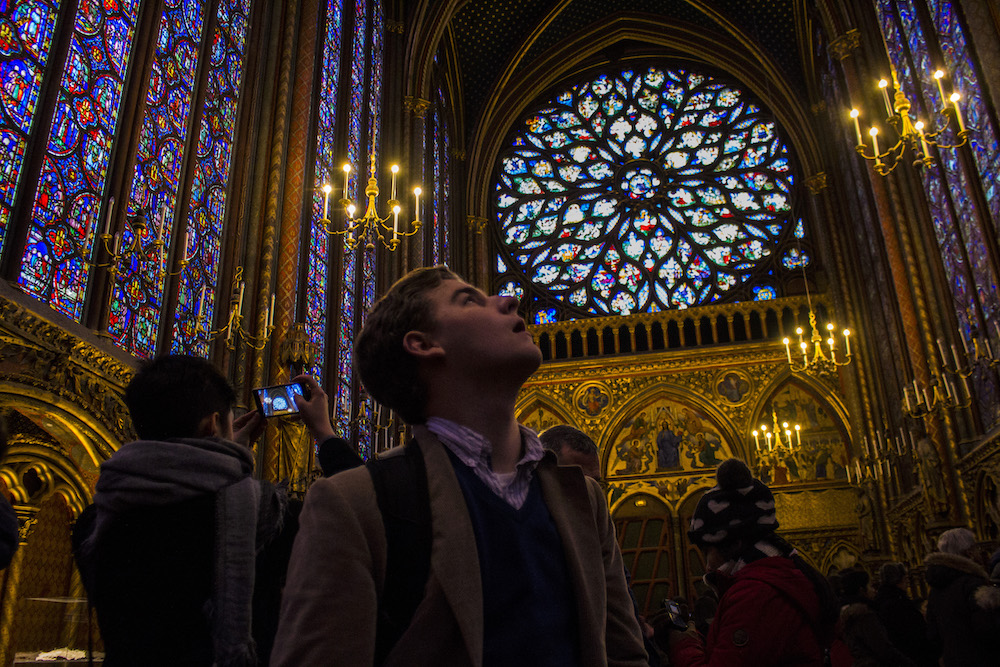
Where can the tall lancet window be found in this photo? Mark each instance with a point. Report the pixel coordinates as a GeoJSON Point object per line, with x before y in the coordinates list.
{"type": "Point", "coordinates": [187, 125]}
{"type": "Point", "coordinates": [208, 193]}
{"type": "Point", "coordinates": [963, 201]}
{"type": "Point", "coordinates": [646, 189]}
{"type": "Point", "coordinates": [440, 169]}
{"type": "Point", "coordinates": [318, 255]}
{"type": "Point", "coordinates": [362, 45]}
{"type": "Point", "coordinates": [26, 30]}
{"type": "Point", "coordinates": [79, 139]}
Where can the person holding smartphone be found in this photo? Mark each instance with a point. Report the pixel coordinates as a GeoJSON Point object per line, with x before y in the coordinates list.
{"type": "Point", "coordinates": [774, 609]}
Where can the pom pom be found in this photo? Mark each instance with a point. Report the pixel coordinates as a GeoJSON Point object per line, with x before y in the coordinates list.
{"type": "Point", "coordinates": [733, 474]}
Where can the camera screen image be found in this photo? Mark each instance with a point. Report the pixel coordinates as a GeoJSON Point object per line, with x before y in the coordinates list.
{"type": "Point", "coordinates": [276, 401]}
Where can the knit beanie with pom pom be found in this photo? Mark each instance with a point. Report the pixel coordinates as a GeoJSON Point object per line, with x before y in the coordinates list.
{"type": "Point", "coordinates": [738, 507]}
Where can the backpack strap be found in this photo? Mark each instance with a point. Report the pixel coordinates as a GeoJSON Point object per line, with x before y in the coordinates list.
{"type": "Point", "coordinates": [400, 484]}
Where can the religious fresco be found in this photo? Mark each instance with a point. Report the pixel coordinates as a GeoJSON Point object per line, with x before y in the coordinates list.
{"type": "Point", "coordinates": [666, 436]}
{"type": "Point", "coordinates": [539, 416]}
{"type": "Point", "coordinates": [815, 451]}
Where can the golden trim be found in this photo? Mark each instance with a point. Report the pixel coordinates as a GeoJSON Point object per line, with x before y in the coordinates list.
{"type": "Point", "coordinates": [843, 46]}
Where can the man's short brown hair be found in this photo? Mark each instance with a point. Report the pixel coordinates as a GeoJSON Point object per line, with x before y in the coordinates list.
{"type": "Point", "coordinates": [387, 370]}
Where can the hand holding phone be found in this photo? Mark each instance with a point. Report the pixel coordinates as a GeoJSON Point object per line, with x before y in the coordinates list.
{"type": "Point", "coordinates": [278, 400]}
{"type": "Point", "coordinates": [678, 619]}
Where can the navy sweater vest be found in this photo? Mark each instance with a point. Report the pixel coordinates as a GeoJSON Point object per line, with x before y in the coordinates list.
{"type": "Point", "coordinates": [529, 612]}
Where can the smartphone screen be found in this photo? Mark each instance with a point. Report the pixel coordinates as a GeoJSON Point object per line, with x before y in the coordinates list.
{"type": "Point", "coordinates": [277, 400]}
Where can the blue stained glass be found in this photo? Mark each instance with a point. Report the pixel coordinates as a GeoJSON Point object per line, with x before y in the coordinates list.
{"type": "Point", "coordinates": [682, 165]}
{"type": "Point", "coordinates": [764, 293]}
{"type": "Point", "coordinates": [436, 192]}
{"type": "Point", "coordinates": [511, 288]}
{"type": "Point", "coordinates": [318, 254]}
{"type": "Point", "coordinates": [137, 295]}
{"type": "Point", "coordinates": [26, 30]}
{"type": "Point", "coordinates": [545, 316]}
{"type": "Point", "coordinates": [196, 300]}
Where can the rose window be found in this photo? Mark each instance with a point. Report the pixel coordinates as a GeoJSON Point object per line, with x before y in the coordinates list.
{"type": "Point", "coordinates": [644, 191]}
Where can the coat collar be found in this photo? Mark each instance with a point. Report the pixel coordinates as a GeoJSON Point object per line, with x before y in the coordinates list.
{"type": "Point", "coordinates": [956, 562]}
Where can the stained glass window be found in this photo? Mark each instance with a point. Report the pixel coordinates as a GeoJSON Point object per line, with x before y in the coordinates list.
{"type": "Point", "coordinates": [953, 210]}
{"type": "Point", "coordinates": [137, 296]}
{"type": "Point", "coordinates": [67, 203]}
{"type": "Point", "coordinates": [196, 300]}
{"type": "Point", "coordinates": [26, 29]}
{"type": "Point", "coordinates": [318, 277]}
{"type": "Point", "coordinates": [645, 189]}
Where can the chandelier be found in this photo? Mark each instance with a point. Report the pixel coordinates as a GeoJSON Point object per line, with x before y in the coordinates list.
{"type": "Point", "coordinates": [913, 134]}
{"type": "Point", "coordinates": [814, 359]}
{"type": "Point", "coordinates": [371, 226]}
{"type": "Point", "coordinates": [778, 437]}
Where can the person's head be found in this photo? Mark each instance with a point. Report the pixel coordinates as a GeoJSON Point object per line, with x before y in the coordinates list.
{"type": "Point", "coordinates": [573, 447]}
{"type": "Point", "coordinates": [892, 574]}
{"type": "Point", "coordinates": [958, 541]}
{"type": "Point", "coordinates": [432, 329]}
{"type": "Point", "coordinates": [178, 396]}
{"type": "Point", "coordinates": [855, 583]}
{"type": "Point", "coordinates": [736, 512]}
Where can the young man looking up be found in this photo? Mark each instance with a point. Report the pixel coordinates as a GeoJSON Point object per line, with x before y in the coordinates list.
{"type": "Point", "coordinates": [523, 564]}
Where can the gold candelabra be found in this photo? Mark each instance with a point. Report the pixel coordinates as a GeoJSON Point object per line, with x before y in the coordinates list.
{"type": "Point", "coordinates": [773, 436]}
{"type": "Point", "coordinates": [954, 371]}
{"type": "Point", "coordinates": [912, 133]}
{"type": "Point", "coordinates": [818, 361]}
{"type": "Point", "coordinates": [233, 329]}
{"type": "Point", "coordinates": [113, 245]}
{"type": "Point", "coordinates": [371, 225]}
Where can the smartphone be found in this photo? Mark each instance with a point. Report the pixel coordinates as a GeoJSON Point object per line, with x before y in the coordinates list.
{"type": "Point", "coordinates": [278, 400]}
{"type": "Point", "coordinates": [677, 617]}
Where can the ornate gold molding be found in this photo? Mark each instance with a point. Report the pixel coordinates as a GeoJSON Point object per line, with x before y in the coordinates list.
{"type": "Point", "coordinates": [477, 223]}
{"type": "Point", "coordinates": [458, 154]}
{"type": "Point", "coordinates": [394, 26]}
{"type": "Point", "coordinates": [816, 183]}
{"type": "Point", "coordinates": [416, 106]}
{"type": "Point", "coordinates": [37, 353]}
{"type": "Point", "coordinates": [843, 46]}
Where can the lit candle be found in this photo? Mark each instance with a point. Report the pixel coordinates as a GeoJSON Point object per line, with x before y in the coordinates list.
{"type": "Point", "coordinates": [805, 354]}
{"type": "Point", "coordinates": [955, 97]}
{"type": "Point", "coordinates": [201, 303]}
{"type": "Point", "coordinates": [788, 437]}
{"type": "Point", "coordinates": [326, 200]}
{"type": "Point", "coordinates": [107, 220]}
{"type": "Point", "coordinates": [767, 437]}
{"type": "Point", "coordinates": [798, 435]}
{"type": "Point", "coordinates": [270, 322]}
{"type": "Point", "coordinates": [944, 358]}
{"type": "Point", "coordinates": [392, 190]}
{"type": "Point", "coordinates": [788, 349]}
{"type": "Point", "coordinates": [347, 179]}
{"type": "Point", "coordinates": [416, 208]}
{"type": "Point", "coordinates": [857, 125]}
{"type": "Point", "coordinates": [884, 87]}
{"type": "Point", "coordinates": [919, 126]}
{"type": "Point", "coordinates": [756, 440]}
{"type": "Point", "coordinates": [938, 75]}
{"type": "Point", "coordinates": [395, 221]}
{"type": "Point", "coordinates": [847, 341]}
{"type": "Point", "coordinates": [873, 133]}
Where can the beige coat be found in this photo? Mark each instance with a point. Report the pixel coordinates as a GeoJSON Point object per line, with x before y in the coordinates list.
{"type": "Point", "coordinates": [329, 608]}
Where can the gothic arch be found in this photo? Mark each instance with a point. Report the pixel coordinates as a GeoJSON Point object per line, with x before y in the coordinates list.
{"type": "Point", "coordinates": [539, 411]}
{"type": "Point", "coordinates": [733, 53]}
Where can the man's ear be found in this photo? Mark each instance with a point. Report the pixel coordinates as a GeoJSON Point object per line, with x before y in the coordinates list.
{"type": "Point", "coordinates": [209, 425]}
{"type": "Point", "coordinates": [422, 345]}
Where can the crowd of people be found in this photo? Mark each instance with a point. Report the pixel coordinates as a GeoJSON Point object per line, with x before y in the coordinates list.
{"type": "Point", "coordinates": [476, 543]}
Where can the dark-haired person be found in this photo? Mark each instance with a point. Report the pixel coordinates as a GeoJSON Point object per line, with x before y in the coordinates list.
{"type": "Point", "coordinates": [173, 549]}
{"type": "Point", "coordinates": [963, 607]}
{"type": "Point", "coordinates": [522, 563]}
{"type": "Point", "coordinates": [904, 624]}
{"type": "Point", "coordinates": [774, 609]}
{"type": "Point", "coordinates": [861, 627]}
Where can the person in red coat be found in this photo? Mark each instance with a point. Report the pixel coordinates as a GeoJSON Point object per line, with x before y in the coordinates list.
{"type": "Point", "coordinates": [774, 609]}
